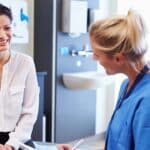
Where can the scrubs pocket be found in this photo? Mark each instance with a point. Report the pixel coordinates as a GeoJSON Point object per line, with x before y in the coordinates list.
{"type": "Point", "coordinates": [125, 138]}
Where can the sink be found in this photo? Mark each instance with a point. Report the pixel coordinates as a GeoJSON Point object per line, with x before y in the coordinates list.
{"type": "Point", "coordinates": [86, 80]}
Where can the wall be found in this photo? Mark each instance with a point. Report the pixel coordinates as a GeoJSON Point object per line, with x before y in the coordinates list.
{"type": "Point", "coordinates": [75, 109]}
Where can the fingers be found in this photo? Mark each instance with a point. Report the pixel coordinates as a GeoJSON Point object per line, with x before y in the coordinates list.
{"type": "Point", "coordinates": [1, 147]}
{"type": "Point", "coordinates": [8, 147]}
{"type": "Point", "coordinates": [63, 147]}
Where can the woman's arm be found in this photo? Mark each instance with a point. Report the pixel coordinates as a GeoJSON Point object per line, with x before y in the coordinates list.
{"type": "Point", "coordinates": [29, 112]}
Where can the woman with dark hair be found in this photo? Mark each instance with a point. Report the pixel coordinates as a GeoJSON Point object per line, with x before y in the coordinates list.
{"type": "Point", "coordinates": [119, 45]}
{"type": "Point", "coordinates": [19, 92]}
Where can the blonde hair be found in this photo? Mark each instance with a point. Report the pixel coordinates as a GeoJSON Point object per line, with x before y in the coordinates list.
{"type": "Point", "coordinates": [125, 34]}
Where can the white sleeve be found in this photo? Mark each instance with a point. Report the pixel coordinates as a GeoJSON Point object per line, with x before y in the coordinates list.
{"type": "Point", "coordinates": [30, 105]}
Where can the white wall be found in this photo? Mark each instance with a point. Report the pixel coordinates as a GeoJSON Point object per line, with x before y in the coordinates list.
{"type": "Point", "coordinates": [104, 106]}
{"type": "Point", "coordinates": [142, 7]}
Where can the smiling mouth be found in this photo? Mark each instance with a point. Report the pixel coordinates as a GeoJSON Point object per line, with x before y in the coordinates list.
{"type": "Point", "coordinates": [3, 43]}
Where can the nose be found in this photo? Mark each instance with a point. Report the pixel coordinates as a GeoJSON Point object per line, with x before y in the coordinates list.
{"type": "Point", "coordinates": [2, 33]}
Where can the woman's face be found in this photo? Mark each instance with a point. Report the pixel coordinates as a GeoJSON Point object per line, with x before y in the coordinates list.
{"type": "Point", "coordinates": [5, 33]}
{"type": "Point", "coordinates": [108, 62]}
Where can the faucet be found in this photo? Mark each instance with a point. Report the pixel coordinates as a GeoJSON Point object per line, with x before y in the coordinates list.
{"type": "Point", "coordinates": [84, 52]}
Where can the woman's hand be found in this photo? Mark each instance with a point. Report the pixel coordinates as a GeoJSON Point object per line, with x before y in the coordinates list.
{"type": "Point", "coordinates": [1, 147]}
{"type": "Point", "coordinates": [8, 147]}
{"type": "Point", "coordinates": [63, 147]}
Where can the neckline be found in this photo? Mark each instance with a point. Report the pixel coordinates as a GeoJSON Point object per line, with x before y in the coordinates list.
{"type": "Point", "coordinates": [137, 80]}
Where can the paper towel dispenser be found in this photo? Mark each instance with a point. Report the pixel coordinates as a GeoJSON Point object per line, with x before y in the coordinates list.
{"type": "Point", "coordinates": [74, 16]}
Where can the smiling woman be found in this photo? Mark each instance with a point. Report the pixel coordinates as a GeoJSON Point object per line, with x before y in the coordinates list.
{"type": "Point", "coordinates": [119, 44]}
{"type": "Point", "coordinates": [19, 93]}
{"type": "Point", "coordinates": [5, 32]}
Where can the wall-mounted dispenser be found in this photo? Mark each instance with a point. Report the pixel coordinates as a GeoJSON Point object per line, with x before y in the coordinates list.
{"type": "Point", "coordinates": [74, 16]}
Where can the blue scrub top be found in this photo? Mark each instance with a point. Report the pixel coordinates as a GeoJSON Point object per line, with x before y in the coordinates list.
{"type": "Point", "coordinates": [129, 128]}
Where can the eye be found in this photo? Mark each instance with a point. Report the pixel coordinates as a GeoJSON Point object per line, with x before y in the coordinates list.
{"type": "Point", "coordinates": [7, 28]}
{"type": "Point", "coordinates": [95, 56]}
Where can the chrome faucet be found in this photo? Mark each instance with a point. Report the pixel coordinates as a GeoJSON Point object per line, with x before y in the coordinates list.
{"type": "Point", "coordinates": [84, 52]}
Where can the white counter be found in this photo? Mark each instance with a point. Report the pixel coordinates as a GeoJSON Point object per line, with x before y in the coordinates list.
{"type": "Point", "coordinates": [90, 143]}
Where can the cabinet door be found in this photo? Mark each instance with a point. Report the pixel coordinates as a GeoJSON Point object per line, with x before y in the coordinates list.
{"type": "Point", "coordinates": [38, 130]}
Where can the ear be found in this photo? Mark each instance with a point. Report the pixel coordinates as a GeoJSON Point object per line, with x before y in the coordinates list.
{"type": "Point", "coordinates": [119, 58]}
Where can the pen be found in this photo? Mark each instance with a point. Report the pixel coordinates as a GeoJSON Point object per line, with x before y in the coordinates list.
{"type": "Point", "coordinates": [77, 144]}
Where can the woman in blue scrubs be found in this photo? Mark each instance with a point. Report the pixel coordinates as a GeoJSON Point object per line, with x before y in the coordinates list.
{"type": "Point", "coordinates": [119, 45]}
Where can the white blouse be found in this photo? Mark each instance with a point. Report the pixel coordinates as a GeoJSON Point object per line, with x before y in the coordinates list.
{"type": "Point", "coordinates": [19, 98]}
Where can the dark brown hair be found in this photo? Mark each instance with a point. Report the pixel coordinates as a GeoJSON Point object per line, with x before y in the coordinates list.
{"type": "Point", "coordinates": [6, 11]}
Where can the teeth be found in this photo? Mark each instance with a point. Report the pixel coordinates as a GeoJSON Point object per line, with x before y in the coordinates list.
{"type": "Point", "coordinates": [3, 43]}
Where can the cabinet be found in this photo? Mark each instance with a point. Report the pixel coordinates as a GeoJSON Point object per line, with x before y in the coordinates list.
{"type": "Point", "coordinates": [38, 133]}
